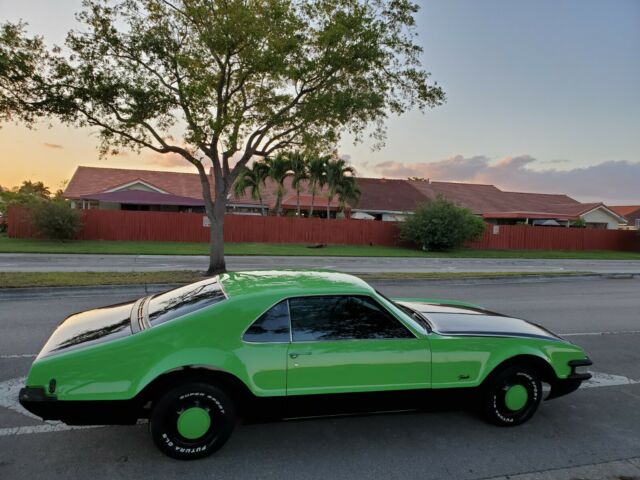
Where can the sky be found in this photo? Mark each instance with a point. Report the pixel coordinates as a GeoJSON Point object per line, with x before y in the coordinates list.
{"type": "Point", "coordinates": [541, 96]}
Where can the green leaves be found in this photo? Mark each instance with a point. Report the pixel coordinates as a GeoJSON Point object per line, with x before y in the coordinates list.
{"type": "Point", "coordinates": [222, 77]}
{"type": "Point", "coordinates": [441, 225]}
{"type": "Point", "coordinates": [56, 220]}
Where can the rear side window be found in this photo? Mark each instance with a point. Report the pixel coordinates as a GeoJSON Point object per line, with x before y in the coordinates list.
{"type": "Point", "coordinates": [342, 318]}
{"type": "Point", "coordinates": [271, 327]}
{"type": "Point", "coordinates": [181, 301]}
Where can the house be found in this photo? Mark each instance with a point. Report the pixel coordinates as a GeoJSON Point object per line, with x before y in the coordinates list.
{"type": "Point", "coordinates": [380, 198]}
{"type": "Point", "coordinates": [123, 189]}
{"type": "Point", "coordinates": [631, 213]}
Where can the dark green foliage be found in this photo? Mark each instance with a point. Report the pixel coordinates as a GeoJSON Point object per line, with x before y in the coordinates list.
{"type": "Point", "coordinates": [579, 223]}
{"type": "Point", "coordinates": [441, 225]}
{"type": "Point", "coordinates": [56, 220]}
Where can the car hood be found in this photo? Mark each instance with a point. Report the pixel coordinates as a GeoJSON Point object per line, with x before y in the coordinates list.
{"type": "Point", "coordinates": [90, 328]}
{"type": "Point", "coordinates": [457, 319]}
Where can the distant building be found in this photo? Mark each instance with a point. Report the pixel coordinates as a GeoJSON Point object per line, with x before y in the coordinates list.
{"type": "Point", "coordinates": [631, 213]}
{"type": "Point", "coordinates": [380, 199]}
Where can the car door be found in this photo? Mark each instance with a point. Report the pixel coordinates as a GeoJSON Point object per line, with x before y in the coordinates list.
{"type": "Point", "coordinates": [351, 343]}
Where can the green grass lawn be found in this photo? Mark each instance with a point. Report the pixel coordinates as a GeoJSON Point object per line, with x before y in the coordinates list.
{"type": "Point", "coordinates": [12, 245]}
{"type": "Point", "coordinates": [76, 279]}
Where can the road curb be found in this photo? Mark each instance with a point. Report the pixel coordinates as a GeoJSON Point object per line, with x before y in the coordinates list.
{"type": "Point", "coordinates": [138, 290]}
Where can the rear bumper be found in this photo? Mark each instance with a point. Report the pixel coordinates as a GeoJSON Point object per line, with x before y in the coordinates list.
{"type": "Point", "coordinates": [111, 412]}
{"type": "Point", "coordinates": [570, 384]}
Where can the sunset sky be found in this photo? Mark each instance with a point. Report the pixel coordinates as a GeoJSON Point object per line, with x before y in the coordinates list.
{"type": "Point", "coordinates": [541, 96]}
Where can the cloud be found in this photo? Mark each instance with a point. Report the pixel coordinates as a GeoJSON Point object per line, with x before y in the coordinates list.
{"type": "Point", "coordinates": [166, 160]}
{"type": "Point", "coordinates": [612, 182]}
{"type": "Point", "coordinates": [53, 145]}
{"type": "Point", "coordinates": [451, 168]}
{"type": "Point", "coordinates": [175, 160]}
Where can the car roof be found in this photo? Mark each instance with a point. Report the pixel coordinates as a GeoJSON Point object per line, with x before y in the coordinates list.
{"type": "Point", "coordinates": [291, 282]}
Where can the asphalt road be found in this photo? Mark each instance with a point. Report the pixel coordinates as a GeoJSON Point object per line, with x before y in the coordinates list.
{"type": "Point", "coordinates": [25, 262]}
{"type": "Point", "coordinates": [594, 425]}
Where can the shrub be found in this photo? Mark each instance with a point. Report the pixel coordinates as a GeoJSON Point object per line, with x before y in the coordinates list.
{"type": "Point", "coordinates": [579, 223]}
{"type": "Point", "coordinates": [441, 225]}
{"type": "Point", "coordinates": [56, 220]}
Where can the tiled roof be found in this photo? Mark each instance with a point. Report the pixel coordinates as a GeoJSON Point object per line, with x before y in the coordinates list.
{"type": "Point", "coordinates": [89, 180]}
{"type": "Point", "coordinates": [477, 197]}
{"type": "Point", "coordinates": [625, 210]}
{"type": "Point", "coordinates": [377, 194]}
{"type": "Point", "coordinates": [380, 194]}
{"type": "Point", "coordinates": [319, 202]}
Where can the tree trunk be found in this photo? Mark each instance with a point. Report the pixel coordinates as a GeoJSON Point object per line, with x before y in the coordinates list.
{"type": "Point", "coordinates": [328, 203]}
{"type": "Point", "coordinates": [216, 243]}
{"type": "Point", "coordinates": [278, 204]}
{"type": "Point", "coordinates": [313, 199]}
{"type": "Point", "coordinates": [261, 205]}
{"type": "Point", "coordinates": [216, 247]}
{"type": "Point", "coordinates": [298, 203]}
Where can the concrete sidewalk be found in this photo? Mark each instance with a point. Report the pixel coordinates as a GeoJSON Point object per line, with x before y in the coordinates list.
{"type": "Point", "coordinates": [27, 262]}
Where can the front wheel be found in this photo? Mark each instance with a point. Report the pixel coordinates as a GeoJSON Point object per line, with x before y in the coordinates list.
{"type": "Point", "coordinates": [192, 421]}
{"type": "Point", "coordinates": [512, 396]}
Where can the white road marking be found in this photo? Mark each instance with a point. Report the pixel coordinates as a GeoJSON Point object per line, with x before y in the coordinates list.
{"type": "Point", "coordinates": [9, 390]}
{"type": "Point", "coordinates": [19, 355]}
{"type": "Point", "coordinates": [45, 428]}
{"type": "Point", "coordinates": [9, 399]}
{"type": "Point", "coordinates": [600, 379]}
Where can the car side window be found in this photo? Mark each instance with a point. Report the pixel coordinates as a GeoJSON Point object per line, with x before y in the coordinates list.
{"type": "Point", "coordinates": [342, 318]}
{"type": "Point", "coordinates": [270, 327]}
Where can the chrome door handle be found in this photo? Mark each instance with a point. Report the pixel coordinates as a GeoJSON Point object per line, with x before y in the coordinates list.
{"type": "Point", "coordinates": [297, 354]}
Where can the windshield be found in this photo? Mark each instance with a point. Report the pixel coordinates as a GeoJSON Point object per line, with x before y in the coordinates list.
{"type": "Point", "coordinates": [183, 300]}
{"type": "Point", "coordinates": [412, 314]}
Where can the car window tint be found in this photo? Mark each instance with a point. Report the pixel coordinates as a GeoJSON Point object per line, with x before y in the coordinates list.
{"type": "Point", "coordinates": [271, 326]}
{"type": "Point", "coordinates": [342, 318]}
{"type": "Point", "coordinates": [180, 301]}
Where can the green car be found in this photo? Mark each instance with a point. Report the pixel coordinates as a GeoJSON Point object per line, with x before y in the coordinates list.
{"type": "Point", "coordinates": [286, 344]}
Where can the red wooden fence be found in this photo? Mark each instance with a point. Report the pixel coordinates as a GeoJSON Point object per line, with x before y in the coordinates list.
{"type": "Point", "coordinates": [189, 227]}
{"type": "Point", "coordinates": [526, 237]}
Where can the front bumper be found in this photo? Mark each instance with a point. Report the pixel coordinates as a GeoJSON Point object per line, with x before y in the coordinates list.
{"type": "Point", "coordinates": [75, 412]}
{"type": "Point", "coordinates": [570, 384]}
{"type": "Point", "coordinates": [37, 402]}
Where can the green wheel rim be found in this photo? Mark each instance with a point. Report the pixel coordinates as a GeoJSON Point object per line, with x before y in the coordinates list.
{"type": "Point", "coordinates": [516, 397]}
{"type": "Point", "coordinates": [193, 423]}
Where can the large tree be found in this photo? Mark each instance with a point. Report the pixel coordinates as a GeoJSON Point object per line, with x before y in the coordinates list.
{"type": "Point", "coordinates": [220, 81]}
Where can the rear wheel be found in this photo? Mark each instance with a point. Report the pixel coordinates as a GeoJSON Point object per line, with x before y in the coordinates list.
{"type": "Point", "coordinates": [512, 396]}
{"type": "Point", "coordinates": [192, 421]}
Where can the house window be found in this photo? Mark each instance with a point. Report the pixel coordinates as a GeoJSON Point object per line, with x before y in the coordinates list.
{"type": "Point", "coordinates": [638, 223]}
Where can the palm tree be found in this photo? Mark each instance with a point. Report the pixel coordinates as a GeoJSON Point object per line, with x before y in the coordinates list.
{"type": "Point", "coordinates": [317, 177]}
{"type": "Point", "coordinates": [347, 191]}
{"type": "Point", "coordinates": [252, 178]}
{"type": "Point", "coordinates": [337, 171]}
{"type": "Point", "coordinates": [278, 168]}
{"type": "Point", "coordinates": [299, 173]}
